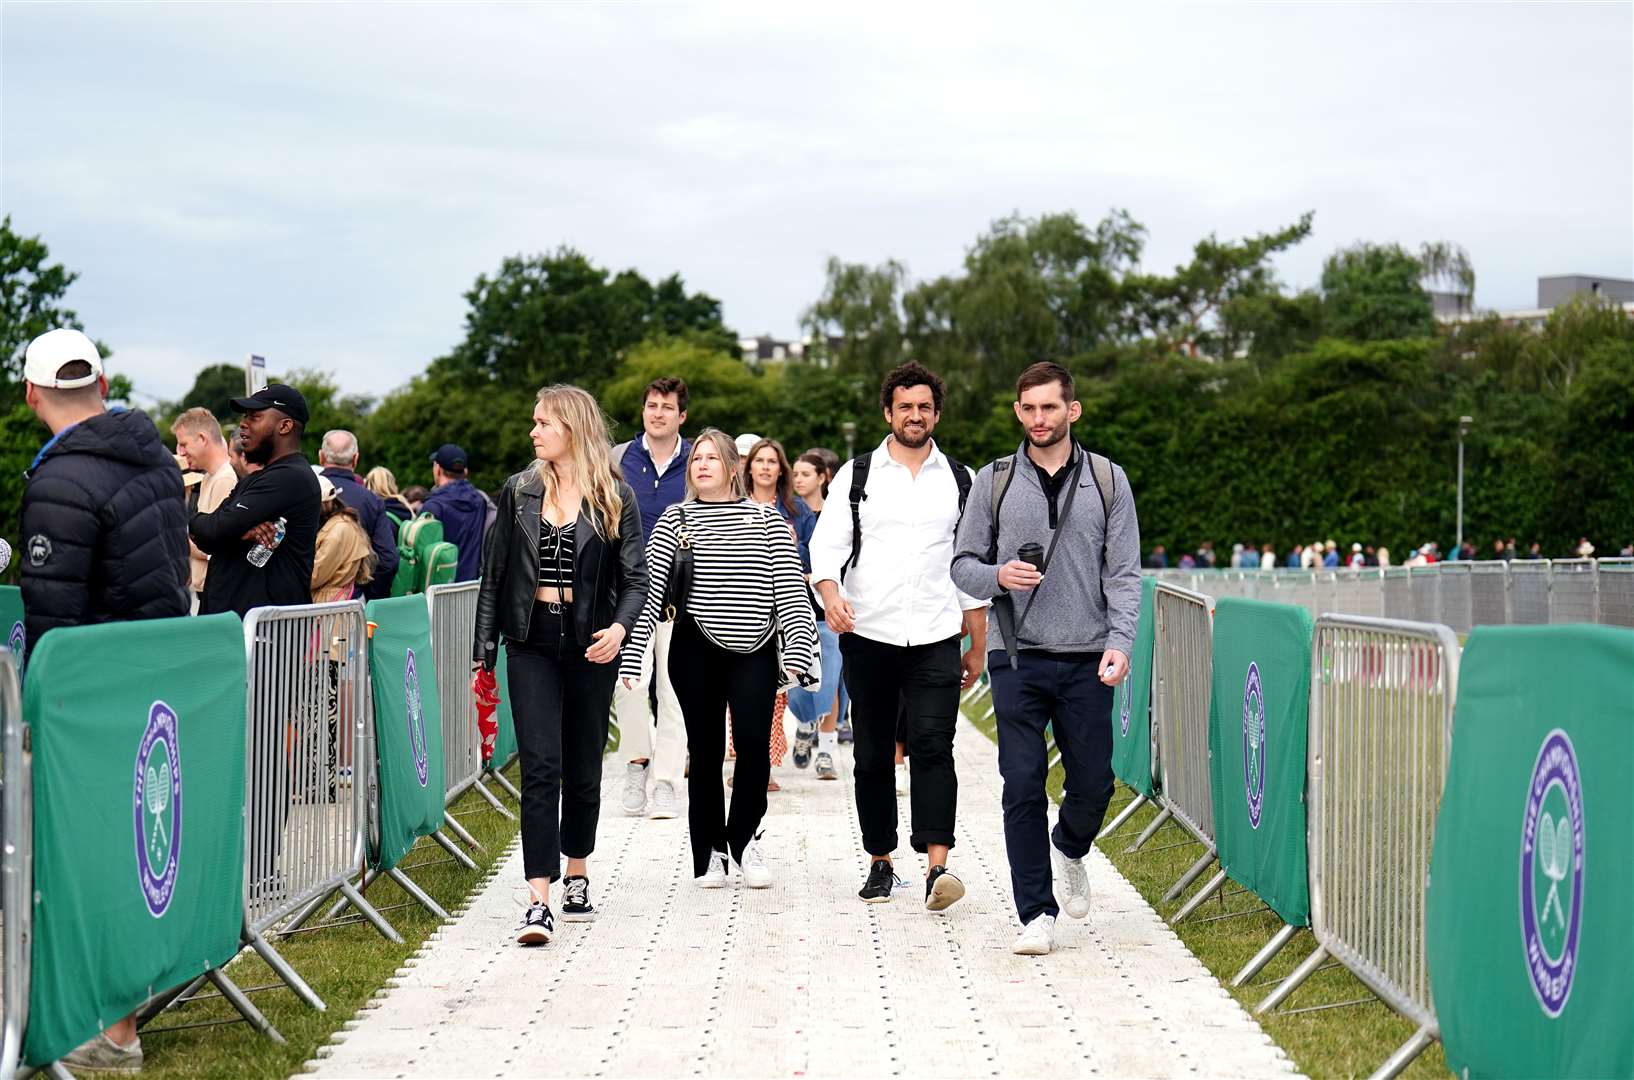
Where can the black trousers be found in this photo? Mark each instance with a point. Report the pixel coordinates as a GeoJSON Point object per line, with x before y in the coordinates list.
{"type": "Point", "coordinates": [1069, 696]}
{"type": "Point", "coordinates": [922, 680]}
{"type": "Point", "coordinates": [560, 702]}
{"type": "Point", "coordinates": [708, 679]}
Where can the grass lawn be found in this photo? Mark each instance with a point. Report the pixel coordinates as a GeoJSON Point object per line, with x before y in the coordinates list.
{"type": "Point", "coordinates": [345, 964]}
{"type": "Point", "coordinates": [1349, 1041]}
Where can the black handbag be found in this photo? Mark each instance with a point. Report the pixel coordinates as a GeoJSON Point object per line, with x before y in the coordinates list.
{"type": "Point", "coordinates": [678, 586]}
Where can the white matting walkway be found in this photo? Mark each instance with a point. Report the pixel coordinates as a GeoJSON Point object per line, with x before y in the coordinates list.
{"type": "Point", "coordinates": [803, 979]}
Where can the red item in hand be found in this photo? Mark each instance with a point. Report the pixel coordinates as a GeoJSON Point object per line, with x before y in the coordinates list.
{"type": "Point", "coordinates": [485, 689]}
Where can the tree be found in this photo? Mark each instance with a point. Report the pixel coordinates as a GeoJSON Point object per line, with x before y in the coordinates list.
{"type": "Point", "coordinates": [560, 318]}
{"type": "Point", "coordinates": [214, 388]}
{"type": "Point", "coordinates": [31, 295]}
{"type": "Point", "coordinates": [1372, 292]}
{"type": "Point", "coordinates": [862, 306]}
{"type": "Point", "coordinates": [722, 392]}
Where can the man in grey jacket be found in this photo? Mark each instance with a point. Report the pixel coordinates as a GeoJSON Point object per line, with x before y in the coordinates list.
{"type": "Point", "coordinates": [1066, 634]}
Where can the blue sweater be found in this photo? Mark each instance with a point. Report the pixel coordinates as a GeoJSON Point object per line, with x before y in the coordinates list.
{"type": "Point", "coordinates": [654, 493]}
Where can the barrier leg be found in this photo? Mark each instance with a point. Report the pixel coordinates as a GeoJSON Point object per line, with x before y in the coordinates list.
{"type": "Point", "coordinates": [340, 904]}
{"type": "Point", "coordinates": [509, 788]}
{"type": "Point", "coordinates": [1293, 982]}
{"type": "Point", "coordinates": [1203, 894]}
{"type": "Point", "coordinates": [448, 845]}
{"type": "Point", "coordinates": [56, 1071]}
{"type": "Point", "coordinates": [301, 917]}
{"type": "Point", "coordinates": [366, 909]}
{"type": "Point", "coordinates": [1125, 814]}
{"type": "Point", "coordinates": [1157, 823]}
{"type": "Point", "coordinates": [280, 967]}
{"type": "Point", "coordinates": [1266, 955]}
{"type": "Point", "coordinates": [160, 1002]}
{"type": "Point", "coordinates": [1192, 873]}
{"type": "Point", "coordinates": [493, 801]}
{"type": "Point", "coordinates": [1403, 1057]}
{"type": "Point", "coordinates": [246, 1008]}
{"type": "Point", "coordinates": [459, 831]}
{"type": "Point", "coordinates": [419, 894]}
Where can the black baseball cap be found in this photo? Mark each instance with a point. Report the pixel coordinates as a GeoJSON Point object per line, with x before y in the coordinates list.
{"type": "Point", "coordinates": [449, 456]}
{"type": "Point", "coordinates": [286, 399]}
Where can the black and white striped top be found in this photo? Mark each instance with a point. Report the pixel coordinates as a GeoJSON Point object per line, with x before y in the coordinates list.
{"type": "Point", "coordinates": [746, 582]}
{"type": "Point", "coordinates": [555, 555]}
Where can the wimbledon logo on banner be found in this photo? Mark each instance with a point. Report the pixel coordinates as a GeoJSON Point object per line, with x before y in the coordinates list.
{"type": "Point", "coordinates": [416, 718]}
{"type": "Point", "coordinates": [19, 644]}
{"type": "Point", "coordinates": [158, 808]}
{"type": "Point", "coordinates": [1128, 688]}
{"type": "Point", "coordinates": [1551, 872]}
{"type": "Point", "coordinates": [1254, 744]}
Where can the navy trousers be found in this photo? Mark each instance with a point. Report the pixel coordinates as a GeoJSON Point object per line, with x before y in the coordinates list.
{"type": "Point", "coordinates": [1067, 695]}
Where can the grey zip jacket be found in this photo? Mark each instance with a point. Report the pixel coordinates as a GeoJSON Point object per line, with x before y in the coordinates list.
{"type": "Point", "coordinates": [1069, 614]}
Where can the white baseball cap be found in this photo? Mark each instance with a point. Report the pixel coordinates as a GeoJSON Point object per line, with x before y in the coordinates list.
{"type": "Point", "coordinates": [744, 442]}
{"type": "Point", "coordinates": [51, 350]}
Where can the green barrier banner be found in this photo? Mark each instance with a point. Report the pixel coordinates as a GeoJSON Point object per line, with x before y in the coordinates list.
{"type": "Point", "coordinates": [1131, 705]}
{"type": "Point", "coordinates": [505, 740]}
{"type": "Point", "coordinates": [1530, 916]}
{"type": "Point", "coordinates": [138, 737]}
{"type": "Point", "coordinates": [1257, 732]}
{"type": "Point", "coordinates": [11, 622]}
{"type": "Point", "coordinates": [408, 725]}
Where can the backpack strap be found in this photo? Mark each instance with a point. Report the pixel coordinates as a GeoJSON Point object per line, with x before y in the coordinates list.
{"type": "Point", "coordinates": [1002, 475]}
{"type": "Point", "coordinates": [1106, 486]}
{"type": "Point", "coordinates": [859, 491]}
{"type": "Point", "coordinates": [962, 480]}
{"type": "Point", "coordinates": [618, 457]}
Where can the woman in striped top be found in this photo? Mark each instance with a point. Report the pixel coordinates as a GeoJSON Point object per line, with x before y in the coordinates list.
{"type": "Point", "coordinates": [725, 649]}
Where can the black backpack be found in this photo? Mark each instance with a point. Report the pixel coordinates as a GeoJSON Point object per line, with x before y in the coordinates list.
{"type": "Point", "coordinates": [859, 491]}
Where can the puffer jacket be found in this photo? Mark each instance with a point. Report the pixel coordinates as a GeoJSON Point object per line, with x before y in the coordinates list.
{"type": "Point", "coordinates": [104, 527]}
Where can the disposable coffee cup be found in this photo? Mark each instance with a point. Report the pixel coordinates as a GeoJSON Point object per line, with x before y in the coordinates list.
{"type": "Point", "coordinates": [1032, 553]}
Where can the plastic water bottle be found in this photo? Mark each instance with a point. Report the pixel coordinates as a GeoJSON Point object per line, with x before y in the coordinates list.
{"type": "Point", "coordinates": [260, 553]}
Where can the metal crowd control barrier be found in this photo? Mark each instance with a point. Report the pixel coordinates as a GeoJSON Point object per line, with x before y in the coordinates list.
{"type": "Point", "coordinates": [1617, 592]}
{"type": "Point", "coordinates": [1398, 595]}
{"type": "Point", "coordinates": [1182, 673]}
{"type": "Point", "coordinates": [1456, 608]}
{"type": "Point", "coordinates": [453, 610]}
{"type": "Point", "coordinates": [17, 873]}
{"type": "Point", "coordinates": [1382, 695]}
{"type": "Point", "coordinates": [1574, 592]}
{"type": "Point", "coordinates": [309, 774]}
{"type": "Point", "coordinates": [1489, 593]}
{"type": "Point", "coordinates": [1529, 592]}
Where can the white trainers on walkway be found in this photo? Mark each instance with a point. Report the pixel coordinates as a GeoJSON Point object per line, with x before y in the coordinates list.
{"type": "Point", "coordinates": [635, 789]}
{"type": "Point", "coordinates": [756, 874]}
{"type": "Point", "coordinates": [1037, 937]}
{"type": "Point", "coordinates": [903, 784]}
{"type": "Point", "coordinates": [715, 876]}
{"type": "Point", "coordinates": [664, 805]}
{"type": "Point", "coordinates": [1071, 883]}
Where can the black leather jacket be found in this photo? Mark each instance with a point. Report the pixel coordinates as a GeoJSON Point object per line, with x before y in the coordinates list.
{"type": "Point", "coordinates": [609, 581]}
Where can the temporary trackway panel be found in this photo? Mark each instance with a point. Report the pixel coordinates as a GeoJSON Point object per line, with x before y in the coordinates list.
{"type": "Point", "coordinates": [803, 979]}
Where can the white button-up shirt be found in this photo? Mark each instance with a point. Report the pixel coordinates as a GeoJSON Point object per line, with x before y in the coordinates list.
{"type": "Point", "coordinates": [900, 590]}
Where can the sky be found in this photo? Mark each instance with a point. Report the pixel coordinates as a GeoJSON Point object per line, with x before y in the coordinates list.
{"type": "Point", "coordinates": [322, 183]}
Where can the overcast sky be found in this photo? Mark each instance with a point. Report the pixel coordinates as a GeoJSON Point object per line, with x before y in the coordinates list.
{"type": "Point", "coordinates": [322, 183]}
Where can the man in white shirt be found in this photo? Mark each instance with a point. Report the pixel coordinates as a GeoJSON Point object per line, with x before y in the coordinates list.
{"type": "Point", "coordinates": [881, 566]}
{"type": "Point", "coordinates": [654, 740]}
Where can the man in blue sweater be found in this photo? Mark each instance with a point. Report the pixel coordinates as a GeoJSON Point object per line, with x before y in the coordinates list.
{"type": "Point", "coordinates": [460, 507]}
{"type": "Point", "coordinates": [654, 741]}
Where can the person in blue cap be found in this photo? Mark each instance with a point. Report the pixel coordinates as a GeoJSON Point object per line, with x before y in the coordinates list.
{"type": "Point", "coordinates": [461, 508]}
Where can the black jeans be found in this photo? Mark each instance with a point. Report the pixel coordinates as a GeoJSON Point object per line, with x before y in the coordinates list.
{"type": "Point", "coordinates": [923, 679]}
{"type": "Point", "coordinates": [1070, 697]}
{"type": "Point", "coordinates": [560, 702]}
{"type": "Point", "coordinates": [708, 679]}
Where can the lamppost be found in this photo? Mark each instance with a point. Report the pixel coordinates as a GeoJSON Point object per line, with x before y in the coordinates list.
{"type": "Point", "coordinates": [1463, 429]}
{"type": "Point", "coordinates": [849, 430]}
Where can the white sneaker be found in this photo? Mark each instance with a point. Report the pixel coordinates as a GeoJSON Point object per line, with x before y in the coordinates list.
{"type": "Point", "coordinates": [756, 875]}
{"type": "Point", "coordinates": [635, 789]}
{"type": "Point", "coordinates": [1071, 883]}
{"type": "Point", "coordinates": [902, 783]}
{"type": "Point", "coordinates": [1037, 937]}
{"type": "Point", "coordinates": [663, 801]}
{"type": "Point", "coordinates": [715, 876]}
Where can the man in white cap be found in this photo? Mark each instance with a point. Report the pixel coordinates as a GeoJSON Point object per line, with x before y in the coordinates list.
{"type": "Point", "coordinates": [104, 537]}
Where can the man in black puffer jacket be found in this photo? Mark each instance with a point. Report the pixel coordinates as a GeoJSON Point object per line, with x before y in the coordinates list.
{"type": "Point", "coordinates": [104, 525]}
{"type": "Point", "coordinates": [104, 538]}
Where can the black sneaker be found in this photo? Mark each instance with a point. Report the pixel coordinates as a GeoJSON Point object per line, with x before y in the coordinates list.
{"type": "Point", "coordinates": [576, 905]}
{"type": "Point", "coordinates": [881, 880]}
{"type": "Point", "coordinates": [537, 926]}
{"type": "Point", "coordinates": [942, 889]}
